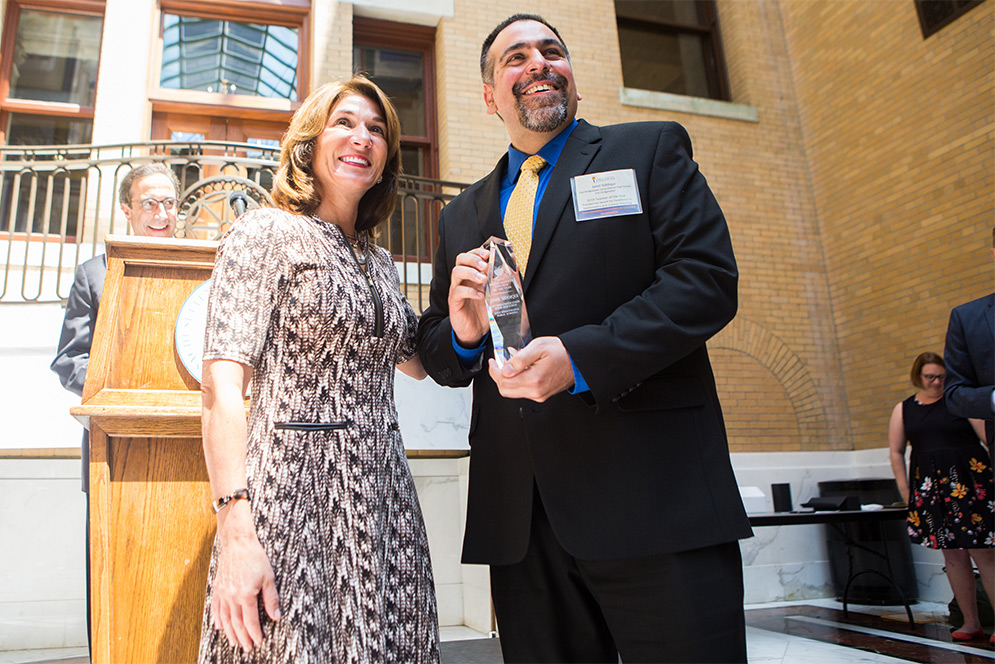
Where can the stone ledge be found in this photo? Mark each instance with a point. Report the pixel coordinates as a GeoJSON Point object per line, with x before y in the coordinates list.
{"type": "Point", "coordinates": [665, 101]}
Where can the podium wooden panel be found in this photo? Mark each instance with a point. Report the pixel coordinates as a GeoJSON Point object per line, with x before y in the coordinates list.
{"type": "Point", "coordinates": [151, 527]}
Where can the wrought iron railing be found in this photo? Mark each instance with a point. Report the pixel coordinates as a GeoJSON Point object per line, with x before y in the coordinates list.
{"type": "Point", "coordinates": [57, 203]}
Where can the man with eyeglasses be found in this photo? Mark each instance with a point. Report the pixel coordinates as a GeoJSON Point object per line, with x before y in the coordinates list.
{"type": "Point", "coordinates": [148, 196]}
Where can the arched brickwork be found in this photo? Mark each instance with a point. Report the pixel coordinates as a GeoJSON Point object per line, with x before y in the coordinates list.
{"type": "Point", "coordinates": [753, 365]}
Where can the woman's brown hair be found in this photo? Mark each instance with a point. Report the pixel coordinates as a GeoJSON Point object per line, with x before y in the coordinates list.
{"type": "Point", "coordinates": [920, 362]}
{"type": "Point", "coordinates": [294, 187]}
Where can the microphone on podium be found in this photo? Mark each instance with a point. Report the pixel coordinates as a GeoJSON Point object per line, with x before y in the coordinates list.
{"type": "Point", "coordinates": [238, 202]}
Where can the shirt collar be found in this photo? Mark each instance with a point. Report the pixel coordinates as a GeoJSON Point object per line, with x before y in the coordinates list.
{"type": "Point", "coordinates": [550, 152]}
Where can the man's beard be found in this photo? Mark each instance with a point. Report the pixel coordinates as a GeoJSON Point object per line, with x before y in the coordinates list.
{"type": "Point", "coordinates": [551, 114]}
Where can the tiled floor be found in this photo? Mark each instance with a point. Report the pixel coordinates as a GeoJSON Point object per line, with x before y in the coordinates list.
{"type": "Point", "coordinates": [806, 632]}
{"type": "Point", "coordinates": [816, 632]}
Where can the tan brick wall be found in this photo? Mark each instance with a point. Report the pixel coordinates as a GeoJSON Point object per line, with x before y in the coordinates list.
{"type": "Point", "coordinates": [899, 140]}
{"type": "Point", "coordinates": [780, 430]}
{"type": "Point", "coordinates": [331, 42]}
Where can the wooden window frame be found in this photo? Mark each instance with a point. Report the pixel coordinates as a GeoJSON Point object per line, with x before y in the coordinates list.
{"type": "Point", "coordinates": [716, 74]}
{"type": "Point", "coordinates": [407, 36]}
{"type": "Point", "coordinates": [9, 36]}
{"type": "Point", "coordinates": [288, 13]}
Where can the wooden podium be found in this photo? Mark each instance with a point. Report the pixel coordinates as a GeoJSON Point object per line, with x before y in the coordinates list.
{"type": "Point", "coordinates": [151, 526]}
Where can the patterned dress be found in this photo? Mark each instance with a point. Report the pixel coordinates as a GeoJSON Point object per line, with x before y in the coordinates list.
{"type": "Point", "coordinates": [950, 480]}
{"type": "Point", "coordinates": [333, 500]}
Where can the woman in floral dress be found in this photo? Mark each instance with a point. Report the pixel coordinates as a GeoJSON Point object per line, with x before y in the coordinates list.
{"type": "Point", "coordinates": [948, 487]}
{"type": "Point", "coordinates": [321, 553]}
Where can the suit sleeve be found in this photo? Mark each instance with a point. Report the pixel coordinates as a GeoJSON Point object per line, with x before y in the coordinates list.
{"type": "Point", "coordinates": [967, 395]}
{"type": "Point", "coordinates": [73, 353]}
{"type": "Point", "coordinates": [435, 333]}
{"type": "Point", "coordinates": [693, 291]}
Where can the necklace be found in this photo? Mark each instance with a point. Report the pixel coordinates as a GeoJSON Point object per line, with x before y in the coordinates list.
{"type": "Point", "coordinates": [359, 251]}
{"type": "Point", "coordinates": [357, 241]}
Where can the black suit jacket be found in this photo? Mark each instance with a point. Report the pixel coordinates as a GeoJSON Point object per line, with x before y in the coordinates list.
{"type": "Point", "coordinates": [970, 359]}
{"type": "Point", "coordinates": [639, 465]}
{"type": "Point", "coordinates": [73, 355]}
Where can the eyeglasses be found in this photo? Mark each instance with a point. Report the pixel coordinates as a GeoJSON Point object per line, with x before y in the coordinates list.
{"type": "Point", "coordinates": [929, 378]}
{"type": "Point", "coordinates": [152, 204]}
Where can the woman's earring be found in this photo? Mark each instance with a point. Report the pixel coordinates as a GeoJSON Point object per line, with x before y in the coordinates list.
{"type": "Point", "coordinates": [379, 179]}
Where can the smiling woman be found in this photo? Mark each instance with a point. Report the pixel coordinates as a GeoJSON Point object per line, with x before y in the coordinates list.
{"type": "Point", "coordinates": [317, 511]}
{"type": "Point", "coordinates": [349, 158]}
{"type": "Point", "coordinates": [298, 186]}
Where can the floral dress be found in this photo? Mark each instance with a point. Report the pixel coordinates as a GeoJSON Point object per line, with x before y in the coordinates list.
{"type": "Point", "coordinates": [950, 480]}
{"type": "Point", "coordinates": [332, 497]}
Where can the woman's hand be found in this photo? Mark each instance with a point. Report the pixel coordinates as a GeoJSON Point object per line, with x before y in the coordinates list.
{"type": "Point", "coordinates": [243, 572]}
{"type": "Point", "coordinates": [243, 569]}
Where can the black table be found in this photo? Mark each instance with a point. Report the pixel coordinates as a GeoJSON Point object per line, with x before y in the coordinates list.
{"type": "Point", "coordinates": [840, 520]}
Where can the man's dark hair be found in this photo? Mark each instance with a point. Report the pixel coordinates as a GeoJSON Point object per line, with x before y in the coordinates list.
{"type": "Point", "coordinates": [486, 72]}
{"type": "Point", "coordinates": [141, 172]}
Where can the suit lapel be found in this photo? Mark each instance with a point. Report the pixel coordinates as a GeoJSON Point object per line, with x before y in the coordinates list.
{"type": "Point", "coordinates": [577, 154]}
{"type": "Point", "coordinates": [488, 202]}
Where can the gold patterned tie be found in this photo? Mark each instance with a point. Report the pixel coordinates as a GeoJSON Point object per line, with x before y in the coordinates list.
{"type": "Point", "coordinates": [518, 215]}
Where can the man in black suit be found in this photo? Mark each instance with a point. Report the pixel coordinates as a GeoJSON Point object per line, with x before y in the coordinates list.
{"type": "Point", "coordinates": [148, 199]}
{"type": "Point", "coordinates": [970, 359]}
{"type": "Point", "coordinates": [601, 491]}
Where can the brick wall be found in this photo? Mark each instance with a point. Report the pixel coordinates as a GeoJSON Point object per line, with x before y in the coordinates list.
{"type": "Point", "coordinates": [331, 42]}
{"type": "Point", "coordinates": [899, 139]}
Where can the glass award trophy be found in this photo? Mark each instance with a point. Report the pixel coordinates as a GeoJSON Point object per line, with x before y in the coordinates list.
{"type": "Point", "coordinates": [505, 301]}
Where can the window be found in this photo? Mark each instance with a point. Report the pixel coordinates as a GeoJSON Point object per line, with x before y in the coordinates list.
{"type": "Point", "coordinates": [672, 47]}
{"type": "Point", "coordinates": [216, 55]}
{"type": "Point", "coordinates": [49, 77]}
{"type": "Point", "coordinates": [231, 71]}
{"type": "Point", "coordinates": [48, 81]}
{"type": "Point", "coordinates": [400, 58]}
{"type": "Point", "coordinates": [241, 57]}
{"type": "Point", "coordinates": [937, 14]}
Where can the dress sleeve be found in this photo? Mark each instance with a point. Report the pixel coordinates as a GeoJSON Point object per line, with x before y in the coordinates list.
{"type": "Point", "coordinates": [408, 346]}
{"type": "Point", "coordinates": [245, 288]}
{"type": "Point", "coordinates": [408, 324]}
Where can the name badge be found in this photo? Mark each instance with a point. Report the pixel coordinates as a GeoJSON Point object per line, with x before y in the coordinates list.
{"type": "Point", "coordinates": [607, 194]}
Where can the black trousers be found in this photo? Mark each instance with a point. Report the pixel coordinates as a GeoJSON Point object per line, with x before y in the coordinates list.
{"type": "Point", "coordinates": [677, 607]}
